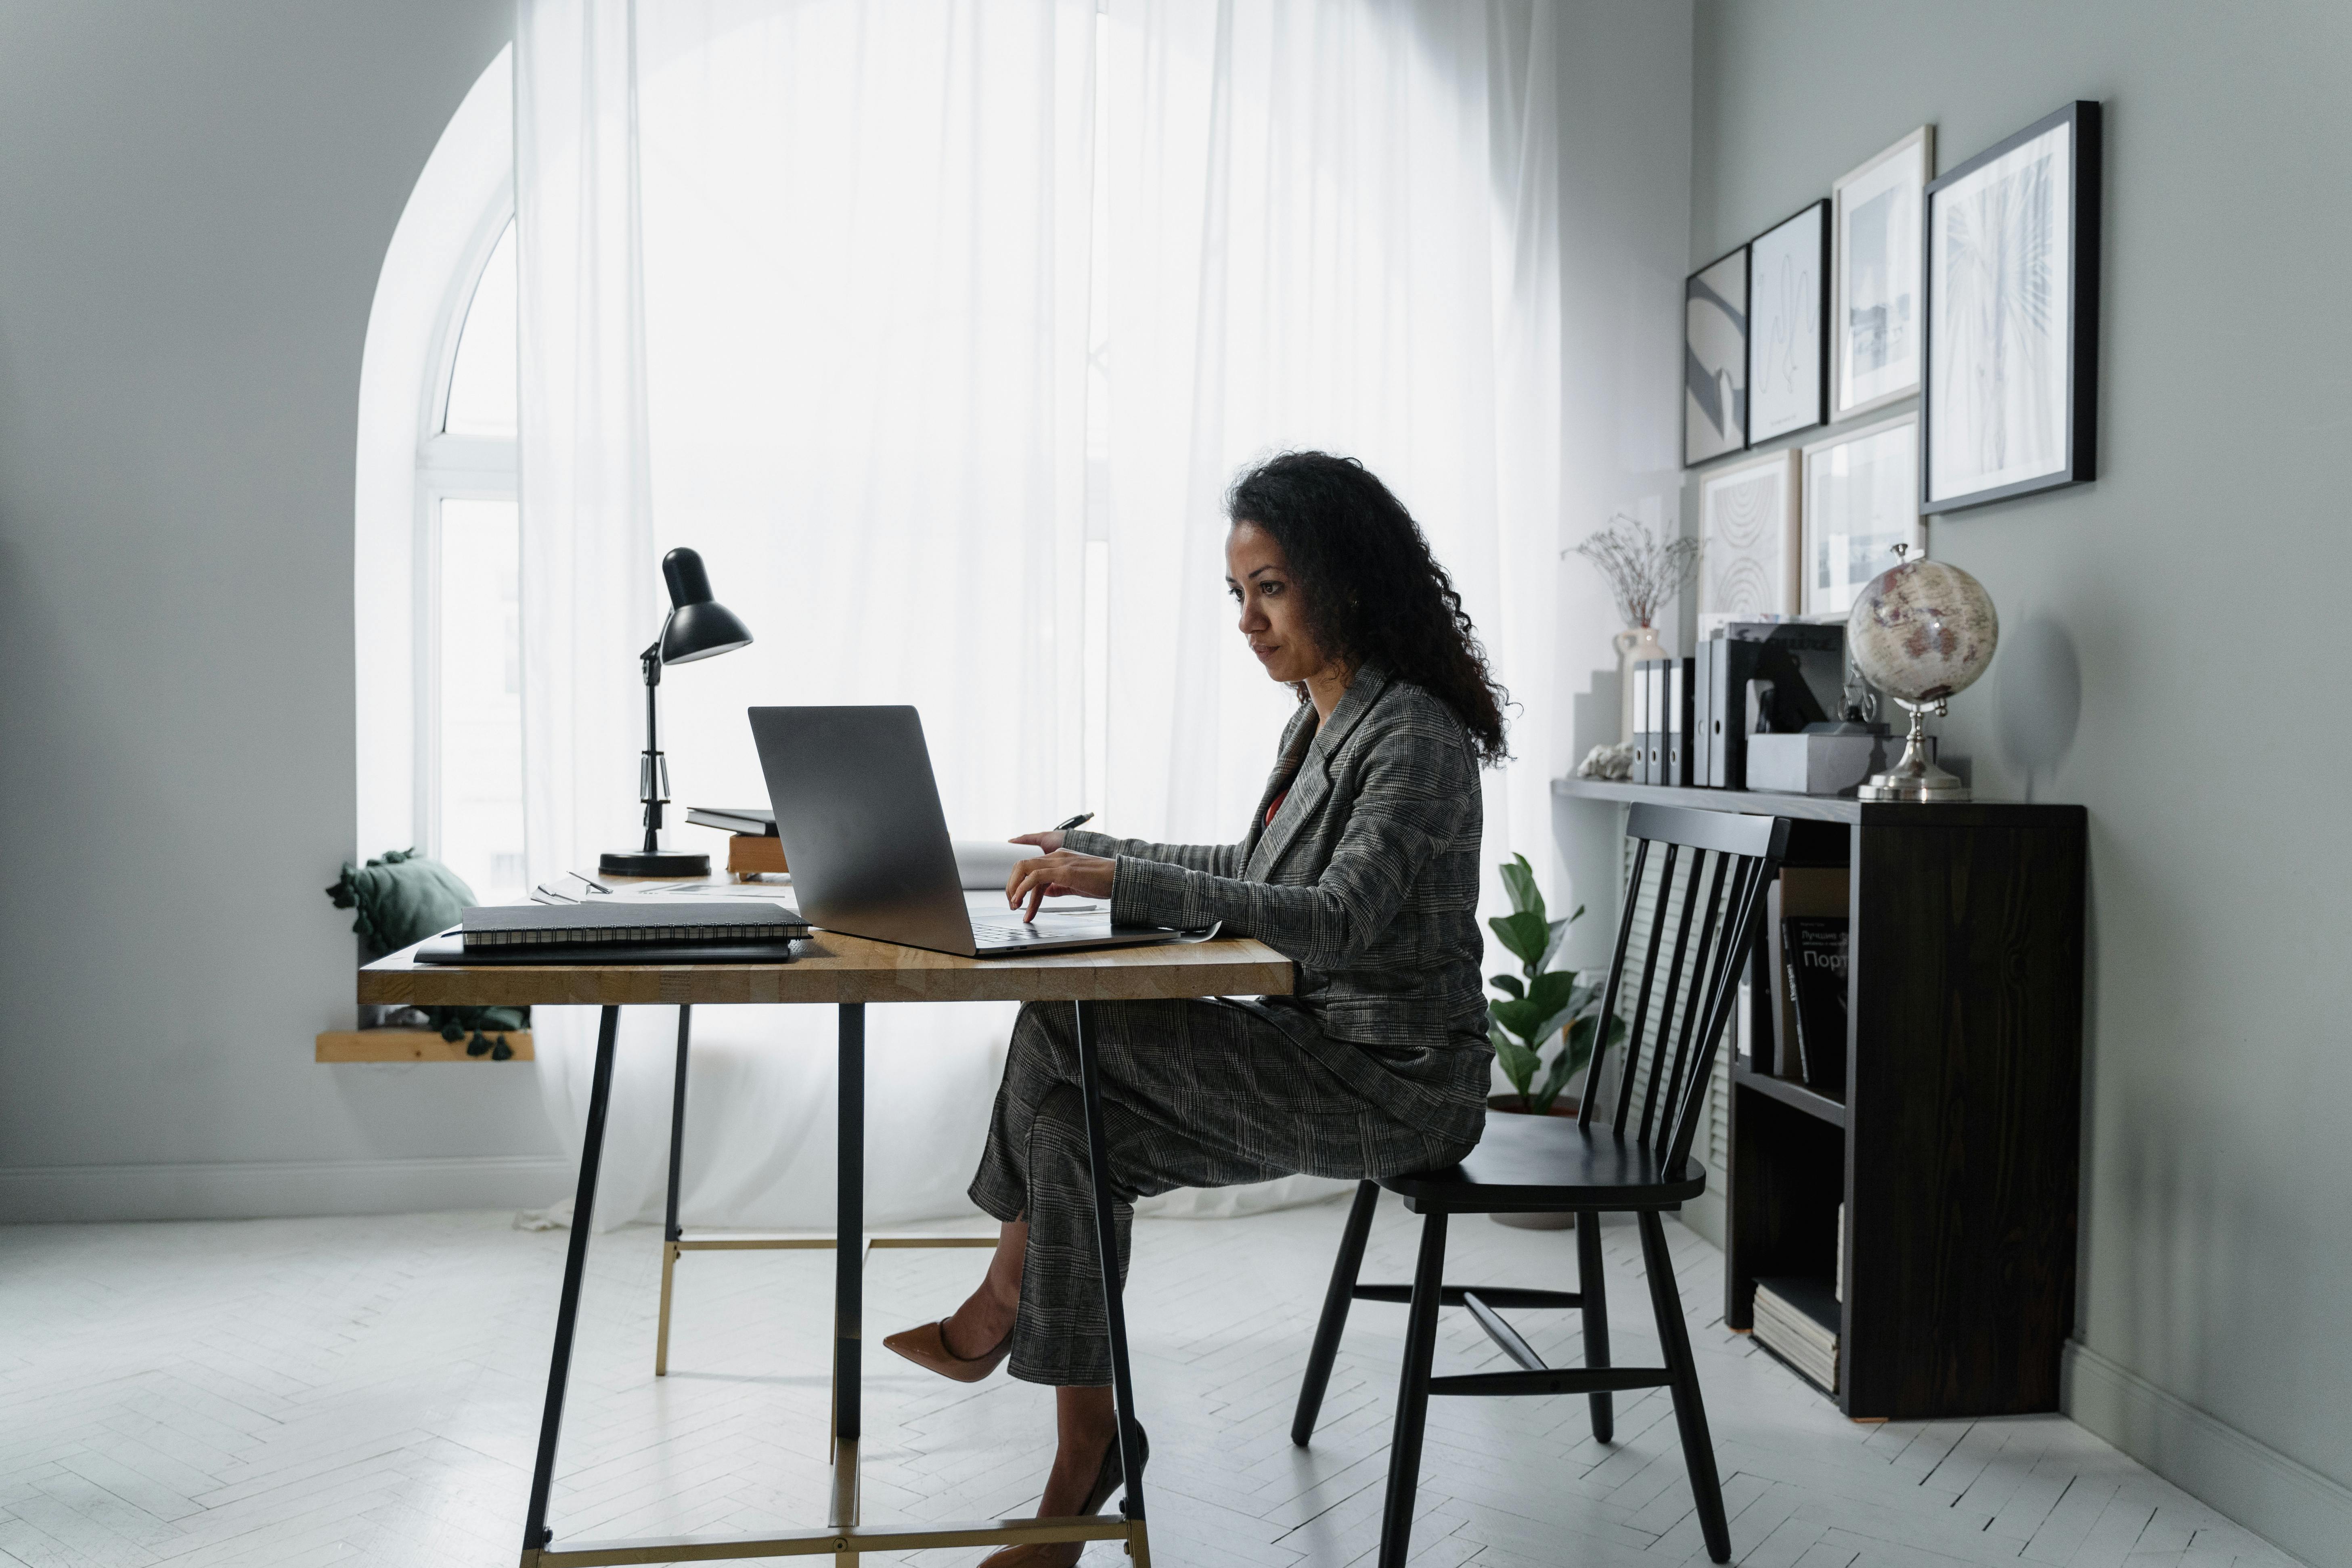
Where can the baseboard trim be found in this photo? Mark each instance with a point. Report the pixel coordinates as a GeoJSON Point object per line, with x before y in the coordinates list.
{"type": "Point", "coordinates": [2280, 1498]}
{"type": "Point", "coordinates": [256, 1189]}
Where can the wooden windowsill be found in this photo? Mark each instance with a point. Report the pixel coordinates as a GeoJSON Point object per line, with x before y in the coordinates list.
{"type": "Point", "coordinates": [410, 1045]}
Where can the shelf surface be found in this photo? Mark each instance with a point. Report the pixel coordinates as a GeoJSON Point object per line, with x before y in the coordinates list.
{"type": "Point", "coordinates": [1825, 807]}
{"type": "Point", "coordinates": [1788, 1091]}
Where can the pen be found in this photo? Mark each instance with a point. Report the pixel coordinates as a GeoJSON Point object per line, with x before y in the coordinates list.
{"type": "Point", "coordinates": [1078, 821]}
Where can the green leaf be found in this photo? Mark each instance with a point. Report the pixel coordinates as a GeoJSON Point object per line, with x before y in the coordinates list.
{"type": "Point", "coordinates": [1524, 934]}
{"type": "Point", "coordinates": [1562, 1068]}
{"type": "Point", "coordinates": [1519, 881]}
{"type": "Point", "coordinates": [1521, 1018]}
{"type": "Point", "coordinates": [1508, 984]}
{"type": "Point", "coordinates": [1519, 1063]}
{"type": "Point", "coordinates": [1553, 991]}
{"type": "Point", "coordinates": [1559, 935]}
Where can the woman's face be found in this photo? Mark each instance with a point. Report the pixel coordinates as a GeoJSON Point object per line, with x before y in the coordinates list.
{"type": "Point", "coordinates": [1273, 617]}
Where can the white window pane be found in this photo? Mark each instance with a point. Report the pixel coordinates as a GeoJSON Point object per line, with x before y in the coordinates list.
{"type": "Point", "coordinates": [482, 386]}
{"type": "Point", "coordinates": [478, 742]}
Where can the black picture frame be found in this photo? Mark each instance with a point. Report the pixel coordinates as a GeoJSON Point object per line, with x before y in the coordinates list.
{"type": "Point", "coordinates": [2081, 121]}
{"type": "Point", "coordinates": [1703, 387]}
{"type": "Point", "coordinates": [1817, 378]}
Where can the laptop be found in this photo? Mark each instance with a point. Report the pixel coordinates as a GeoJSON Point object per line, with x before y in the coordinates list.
{"type": "Point", "coordinates": [859, 812]}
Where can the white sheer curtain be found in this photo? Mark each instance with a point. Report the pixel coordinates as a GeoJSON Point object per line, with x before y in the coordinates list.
{"type": "Point", "coordinates": [806, 285]}
{"type": "Point", "coordinates": [1332, 223]}
{"type": "Point", "coordinates": [803, 286]}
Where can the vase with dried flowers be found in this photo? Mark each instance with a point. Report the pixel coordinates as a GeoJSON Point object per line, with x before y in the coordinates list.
{"type": "Point", "coordinates": [1645, 569]}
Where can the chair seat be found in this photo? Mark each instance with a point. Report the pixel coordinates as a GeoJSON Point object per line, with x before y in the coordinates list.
{"type": "Point", "coordinates": [1538, 1163]}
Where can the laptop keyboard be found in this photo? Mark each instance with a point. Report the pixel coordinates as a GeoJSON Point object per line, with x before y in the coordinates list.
{"type": "Point", "coordinates": [1017, 930]}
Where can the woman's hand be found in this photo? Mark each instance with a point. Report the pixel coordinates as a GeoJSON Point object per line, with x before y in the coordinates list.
{"type": "Point", "coordinates": [1048, 842]}
{"type": "Point", "coordinates": [1057, 873]}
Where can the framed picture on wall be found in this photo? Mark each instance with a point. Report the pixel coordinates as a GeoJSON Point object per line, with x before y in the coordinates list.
{"type": "Point", "coordinates": [1788, 323]}
{"type": "Point", "coordinates": [2012, 397]}
{"type": "Point", "coordinates": [1714, 359]}
{"type": "Point", "coordinates": [1747, 526]}
{"type": "Point", "coordinates": [1875, 313]}
{"type": "Point", "coordinates": [1861, 499]}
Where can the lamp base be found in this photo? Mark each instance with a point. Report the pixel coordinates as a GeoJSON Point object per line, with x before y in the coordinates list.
{"type": "Point", "coordinates": [672, 863]}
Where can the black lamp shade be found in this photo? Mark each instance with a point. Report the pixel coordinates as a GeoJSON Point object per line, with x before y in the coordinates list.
{"type": "Point", "coordinates": [698, 626]}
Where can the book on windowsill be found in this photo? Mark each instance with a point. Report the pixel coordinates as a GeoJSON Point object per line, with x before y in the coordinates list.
{"type": "Point", "coordinates": [1798, 1317]}
{"type": "Point", "coordinates": [752, 819]}
{"type": "Point", "coordinates": [749, 852]}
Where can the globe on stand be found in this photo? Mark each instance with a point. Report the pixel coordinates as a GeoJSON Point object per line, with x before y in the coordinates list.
{"type": "Point", "coordinates": [1919, 633]}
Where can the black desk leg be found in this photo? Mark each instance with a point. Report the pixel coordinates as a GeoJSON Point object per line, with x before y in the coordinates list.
{"type": "Point", "coordinates": [1107, 1249]}
{"type": "Point", "coordinates": [849, 1227]}
{"type": "Point", "coordinates": [677, 1123]}
{"type": "Point", "coordinates": [535, 1533]}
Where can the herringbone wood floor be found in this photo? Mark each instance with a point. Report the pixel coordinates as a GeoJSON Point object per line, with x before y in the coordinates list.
{"type": "Point", "coordinates": [365, 1391]}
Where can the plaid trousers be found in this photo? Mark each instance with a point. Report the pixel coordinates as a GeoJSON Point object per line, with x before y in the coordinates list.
{"type": "Point", "coordinates": [1195, 1094]}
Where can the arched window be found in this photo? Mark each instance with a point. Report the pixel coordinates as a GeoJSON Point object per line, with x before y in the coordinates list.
{"type": "Point", "coordinates": [470, 723]}
{"type": "Point", "coordinates": [435, 581]}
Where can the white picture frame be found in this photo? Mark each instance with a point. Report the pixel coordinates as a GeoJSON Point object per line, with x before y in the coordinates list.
{"type": "Point", "coordinates": [1788, 325]}
{"type": "Point", "coordinates": [1747, 516]}
{"type": "Point", "coordinates": [1877, 309]}
{"type": "Point", "coordinates": [1861, 493]}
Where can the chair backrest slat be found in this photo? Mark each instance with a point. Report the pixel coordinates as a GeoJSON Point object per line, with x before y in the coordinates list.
{"type": "Point", "coordinates": [1642, 1006]}
{"type": "Point", "coordinates": [1662, 1048]}
{"type": "Point", "coordinates": [1702, 984]}
{"type": "Point", "coordinates": [1616, 973]}
{"type": "Point", "coordinates": [1747, 921]}
{"type": "Point", "coordinates": [1710, 881]}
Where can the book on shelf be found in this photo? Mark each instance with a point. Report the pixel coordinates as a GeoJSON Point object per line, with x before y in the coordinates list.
{"type": "Point", "coordinates": [1814, 953]}
{"type": "Point", "coordinates": [1798, 1318]}
{"type": "Point", "coordinates": [1798, 890]}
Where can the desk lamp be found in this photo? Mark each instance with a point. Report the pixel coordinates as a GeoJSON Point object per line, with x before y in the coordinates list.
{"type": "Point", "coordinates": [698, 627]}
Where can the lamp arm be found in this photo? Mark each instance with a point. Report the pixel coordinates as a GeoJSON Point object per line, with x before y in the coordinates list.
{"type": "Point", "coordinates": [653, 768]}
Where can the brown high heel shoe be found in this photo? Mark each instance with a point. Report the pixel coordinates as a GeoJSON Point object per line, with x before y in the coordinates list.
{"type": "Point", "coordinates": [1053, 1554]}
{"type": "Point", "coordinates": [927, 1346]}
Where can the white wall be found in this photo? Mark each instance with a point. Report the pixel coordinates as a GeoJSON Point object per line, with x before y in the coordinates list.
{"type": "Point", "coordinates": [1626, 160]}
{"type": "Point", "coordinates": [195, 201]}
{"type": "Point", "coordinates": [2171, 656]}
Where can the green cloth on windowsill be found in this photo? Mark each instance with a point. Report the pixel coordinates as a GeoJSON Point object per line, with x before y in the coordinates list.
{"type": "Point", "coordinates": [402, 896]}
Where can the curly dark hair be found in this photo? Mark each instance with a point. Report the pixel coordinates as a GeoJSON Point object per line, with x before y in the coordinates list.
{"type": "Point", "coordinates": [1371, 589]}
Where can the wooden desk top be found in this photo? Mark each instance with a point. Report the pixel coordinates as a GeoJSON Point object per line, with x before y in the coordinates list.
{"type": "Point", "coordinates": [838, 968]}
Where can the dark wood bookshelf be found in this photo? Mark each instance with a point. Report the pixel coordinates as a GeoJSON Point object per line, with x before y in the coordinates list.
{"type": "Point", "coordinates": [1954, 1151]}
{"type": "Point", "coordinates": [1788, 1091]}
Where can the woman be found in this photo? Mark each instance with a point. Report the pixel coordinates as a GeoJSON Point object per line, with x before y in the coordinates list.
{"type": "Point", "coordinates": [1361, 865]}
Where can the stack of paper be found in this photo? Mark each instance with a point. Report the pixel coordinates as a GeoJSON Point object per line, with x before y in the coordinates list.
{"type": "Point", "coordinates": [1797, 1318]}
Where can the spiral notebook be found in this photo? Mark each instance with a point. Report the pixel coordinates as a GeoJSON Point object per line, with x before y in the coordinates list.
{"type": "Point", "coordinates": [606, 925]}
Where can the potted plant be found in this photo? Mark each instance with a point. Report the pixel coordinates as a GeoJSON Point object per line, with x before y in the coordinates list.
{"type": "Point", "coordinates": [1540, 1006]}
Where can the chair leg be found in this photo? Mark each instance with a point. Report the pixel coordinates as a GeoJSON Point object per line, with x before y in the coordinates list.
{"type": "Point", "coordinates": [1690, 1415]}
{"type": "Point", "coordinates": [1596, 1318]}
{"type": "Point", "coordinates": [1327, 1329]}
{"type": "Point", "coordinates": [1413, 1394]}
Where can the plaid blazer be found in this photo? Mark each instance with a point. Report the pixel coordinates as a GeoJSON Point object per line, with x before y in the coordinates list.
{"type": "Point", "coordinates": [1366, 878]}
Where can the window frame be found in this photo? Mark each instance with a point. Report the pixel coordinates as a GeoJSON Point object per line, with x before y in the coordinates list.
{"type": "Point", "coordinates": [448, 468]}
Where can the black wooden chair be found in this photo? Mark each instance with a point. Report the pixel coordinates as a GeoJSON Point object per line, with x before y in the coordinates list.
{"type": "Point", "coordinates": [1697, 882]}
